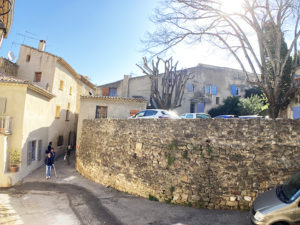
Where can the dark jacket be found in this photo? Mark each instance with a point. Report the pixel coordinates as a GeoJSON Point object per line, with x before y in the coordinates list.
{"type": "Point", "coordinates": [53, 156]}
{"type": "Point", "coordinates": [48, 161]}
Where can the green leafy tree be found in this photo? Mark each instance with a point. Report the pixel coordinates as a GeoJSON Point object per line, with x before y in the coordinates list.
{"type": "Point", "coordinates": [254, 105]}
{"type": "Point", "coordinates": [231, 106]}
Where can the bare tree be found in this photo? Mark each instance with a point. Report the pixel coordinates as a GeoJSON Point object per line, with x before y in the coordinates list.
{"type": "Point", "coordinates": [241, 33]}
{"type": "Point", "coordinates": [167, 88]}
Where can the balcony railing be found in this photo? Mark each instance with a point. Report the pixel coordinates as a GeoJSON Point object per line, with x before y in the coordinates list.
{"type": "Point", "coordinates": [5, 124]}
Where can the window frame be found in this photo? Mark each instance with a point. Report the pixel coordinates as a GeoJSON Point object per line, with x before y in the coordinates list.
{"type": "Point", "coordinates": [57, 112]}
{"type": "Point", "coordinates": [28, 58]}
{"type": "Point", "coordinates": [61, 85]}
{"type": "Point", "coordinates": [101, 112]}
{"type": "Point", "coordinates": [37, 77]}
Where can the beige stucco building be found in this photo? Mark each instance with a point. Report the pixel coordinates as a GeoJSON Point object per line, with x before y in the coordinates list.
{"type": "Point", "coordinates": [24, 123]}
{"type": "Point", "coordinates": [97, 107]}
{"type": "Point", "coordinates": [43, 100]}
{"type": "Point", "coordinates": [207, 89]}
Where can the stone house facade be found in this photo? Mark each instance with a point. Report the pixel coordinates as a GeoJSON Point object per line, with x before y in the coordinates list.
{"type": "Point", "coordinates": [99, 107]}
{"type": "Point", "coordinates": [207, 89]}
{"type": "Point", "coordinates": [43, 119]}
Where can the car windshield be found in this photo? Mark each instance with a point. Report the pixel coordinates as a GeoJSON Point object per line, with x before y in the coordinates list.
{"type": "Point", "coordinates": [290, 189]}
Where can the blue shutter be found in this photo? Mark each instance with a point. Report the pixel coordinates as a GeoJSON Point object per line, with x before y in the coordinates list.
{"type": "Point", "coordinates": [214, 90]}
{"type": "Point", "coordinates": [296, 112]}
{"type": "Point", "coordinates": [200, 107]}
{"type": "Point", "coordinates": [234, 90]}
{"type": "Point", "coordinates": [207, 89]}
{"type": "Point", "coordinates": [113, 92]}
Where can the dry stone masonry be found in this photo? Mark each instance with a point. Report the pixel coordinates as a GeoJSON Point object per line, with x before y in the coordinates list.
{"type": "Point", "coordinates": [213, 163]}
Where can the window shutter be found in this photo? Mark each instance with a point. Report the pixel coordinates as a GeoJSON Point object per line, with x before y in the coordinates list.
{"type": "Point", "coordinates": [2, 106]}
{"type": "Point", "coordinates": [200, 107]}
{"type": "Point", "coordinates": [234, 90]}
{"type": "Point", "coordinates": [214, 90]}
{"type": "Point", "coordinates": [112, 92]}
{"type": "Point", "coordinates": [207, 89]}
{"type": "Point", "coordinates": [296, 112]}
{"type": "Point", "coordinates": [29, 153]}
{"type": "Point", "coordinates": [40, 150]}
{"type": "Point", "coordinates": [105, 91]}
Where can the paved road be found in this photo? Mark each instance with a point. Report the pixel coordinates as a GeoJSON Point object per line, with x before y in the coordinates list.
{"type": "Point", "coordinates": [70, 199]}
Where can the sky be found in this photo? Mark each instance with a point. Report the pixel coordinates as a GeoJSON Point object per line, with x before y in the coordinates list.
{"type": "Point", "coordinates": [99, 39]}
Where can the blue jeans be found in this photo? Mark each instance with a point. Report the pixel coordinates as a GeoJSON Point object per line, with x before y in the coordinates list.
{"type": "Point", "coordinates": [48, 171]}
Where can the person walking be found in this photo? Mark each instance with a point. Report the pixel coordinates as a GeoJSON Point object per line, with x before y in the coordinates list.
{"type": "Point", "coordinates": [52, 152]}
{"type": "Point", "coordinates": [48, 163]}
{"type": "Point", "coordinates": [68, 153]}
{"type": "Point", "coordinates": [49, 147]}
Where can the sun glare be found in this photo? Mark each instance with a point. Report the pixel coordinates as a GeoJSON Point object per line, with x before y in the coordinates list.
{"type": "Point", "coordinates": [231, 6]}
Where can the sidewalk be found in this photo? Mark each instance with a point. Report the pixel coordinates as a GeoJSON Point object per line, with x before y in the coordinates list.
{"type": "Point", "coordinates": [70, 199]}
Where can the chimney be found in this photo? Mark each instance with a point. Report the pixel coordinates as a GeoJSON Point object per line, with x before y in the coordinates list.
{"type": "Point", "coordinates": [42, 45]}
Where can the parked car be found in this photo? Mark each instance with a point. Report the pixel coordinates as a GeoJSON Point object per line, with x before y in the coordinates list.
{"type": "Point", "coordinates": [195, 116]}
{"type": "Point", "coordinates": [225, 117]}
{"type": "Point", "coordinates": [155, 113]}
{"type": "Point", "coordinates": [251, 117]}
{"type": "Point", "coordinates": [279, 206]}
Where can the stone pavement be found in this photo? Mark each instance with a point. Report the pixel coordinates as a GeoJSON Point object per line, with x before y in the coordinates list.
{"type": "Point", "coordinates": [70, 199]}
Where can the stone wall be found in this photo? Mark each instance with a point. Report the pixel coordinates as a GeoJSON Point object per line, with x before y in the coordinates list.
{"type": "Point", "coordinates": [7, 67]}
{"type": "Point", "coordinates": [213, 163]}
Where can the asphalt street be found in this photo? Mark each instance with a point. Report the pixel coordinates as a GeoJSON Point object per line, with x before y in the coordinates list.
{"type": "Point", "coordinates": [71, 199]}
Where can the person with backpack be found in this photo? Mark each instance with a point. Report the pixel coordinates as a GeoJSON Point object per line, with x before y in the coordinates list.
{"type": "Point", "coordinates": [48, 163]}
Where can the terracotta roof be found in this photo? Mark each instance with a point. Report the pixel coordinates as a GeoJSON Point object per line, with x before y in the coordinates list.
{"type": "Point", "coordinates": [14, 80]}
{"type": "Point", "coordinates": [10, 79]}
{"type": "Point", "coordinates": [110, 98]}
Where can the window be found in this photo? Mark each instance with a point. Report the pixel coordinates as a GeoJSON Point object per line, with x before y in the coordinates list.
{"type": "Point", "coordinates": [214, 90]}
{"type": "Point", "coordinates": [38, 77]}
{"type": "Point", "coordinates": [28, 58]}
{"type": "Point", "coordinates": [150, 113]}
{"type": "Point", "coordinates": [68, 112]}
{"type": "Point", "coordinates": [2, 106]}
{"type": "Point", "coordinates": [217, 100]}
{"type": "Point", "coordinates": [31, 152]}
{"type": "Point", "coordinates": [189, 116]}
{"type": "Point", "coordinates": [113, 92]}
{"type": "Point", "coordinates": [207, 89]}
{"type": "Point", "coordinates": [101, 112]}
{"type": "Point", "coordinates": [57, 112]}
{"type": "Point", "coordinates": [140, 114]}
{"type": "Point", "coordinates": [70, 91]}
{"type": "Point", "coordinates": [68, 115]}
{"type": "Point", "coordinates": [60, 140]}
{"type": "Point", "coordinates": [40, 147]}
{"type": "Point", "coordinates": [61, 85]}
{"type": "Point", "coordinates": [190, 87]}
{"type": "Point", "coordinates": [192, 108]}
{"type": "Point", "coordinates": [234, 90]}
